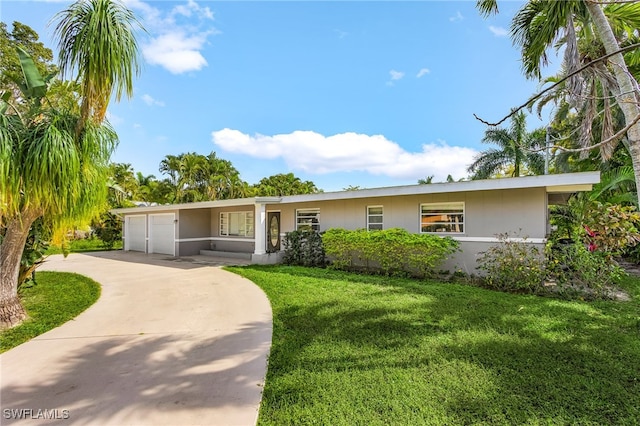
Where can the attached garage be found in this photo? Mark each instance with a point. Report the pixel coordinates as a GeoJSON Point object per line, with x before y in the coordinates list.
{"type": "Point", "coordinates": [136, 233]}
{"type": "Point", "coordinates": [162, 233]}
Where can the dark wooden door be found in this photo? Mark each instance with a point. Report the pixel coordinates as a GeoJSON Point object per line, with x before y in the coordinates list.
{"type": "Point", "coordinates": [273, 232]}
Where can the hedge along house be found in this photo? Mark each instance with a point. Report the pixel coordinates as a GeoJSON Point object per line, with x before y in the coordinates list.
{"type": "Point", "coordinates": [472, 212]}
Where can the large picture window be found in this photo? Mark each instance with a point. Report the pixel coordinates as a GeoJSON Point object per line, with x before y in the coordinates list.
{"type": "Point", "coordinates": [442, 217]}
{"type": "Point", "coordinates": [308, 219]}
{"type": "Point", "coordinates": [236, 224]}
{"type": "Point", "coordinates": [374, 218]}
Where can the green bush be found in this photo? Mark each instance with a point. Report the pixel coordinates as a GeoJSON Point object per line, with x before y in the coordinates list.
{"type": "Point", "coordinates": [513, 266]}
{"type": "Point", "coordinates": [580, 272]}
{"type": "Point", "coordinates": [108, 229]}
{"type": "Point", "coordinates": [303, 248]}
{"type": "Point", "coordinates": [390, 251]}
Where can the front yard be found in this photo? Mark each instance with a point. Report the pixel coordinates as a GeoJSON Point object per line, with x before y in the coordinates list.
{"type": "Point", "coordinates": [350, 349]}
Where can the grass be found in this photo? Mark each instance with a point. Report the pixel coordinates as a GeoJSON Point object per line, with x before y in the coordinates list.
{"type": "Point", "coordinates": [83, 246]}
{"type": "Point", "coordinates": [350, 349]}
{"type": "Point", "coordinates": [57, 298]}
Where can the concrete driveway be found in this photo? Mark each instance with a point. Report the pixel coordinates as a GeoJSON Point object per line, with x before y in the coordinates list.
{"type": "Point", "coordinates": [169, 342]}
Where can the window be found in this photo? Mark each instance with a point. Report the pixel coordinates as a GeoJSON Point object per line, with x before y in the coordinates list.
{"type": "Point", "coordinates": [307, 219]}
{"type": "Point", "coordinates": [442, 217]}
{"type": "Point", "coordinates": [236, 224]}
{"type": "Point", "coordinates": [374, 218]}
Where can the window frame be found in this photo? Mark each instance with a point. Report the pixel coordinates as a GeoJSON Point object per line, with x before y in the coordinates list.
{"type": "Point", "coordinates": [244, 216]}
{"type": "Point", "coordinates": [369, 215]}
{"type": "Point", "coordinates": [313, 225]}
{"type": "Point", "coordinates": [443, 205]}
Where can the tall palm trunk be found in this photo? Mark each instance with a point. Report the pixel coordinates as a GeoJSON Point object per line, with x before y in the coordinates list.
{"type": "Point", "coordinates": [11, 310]}
{"type": "Point", "coordinates": [628, 96]}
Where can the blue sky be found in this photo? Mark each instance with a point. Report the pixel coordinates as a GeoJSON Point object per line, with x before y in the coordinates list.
{"type": "Point", "coordinates": [341, 93]}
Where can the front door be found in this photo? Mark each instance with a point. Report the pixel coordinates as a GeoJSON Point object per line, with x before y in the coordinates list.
{"type": "Point", "coordinates": [273, 232]}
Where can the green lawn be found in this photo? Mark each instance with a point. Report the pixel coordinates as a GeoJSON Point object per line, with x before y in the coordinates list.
{"type": "Point", "coordinates": [57, 298]}
{"type": "Point", "coordinates": [350, 349]}
{"type": "Point", "coordinates": [82, 246]}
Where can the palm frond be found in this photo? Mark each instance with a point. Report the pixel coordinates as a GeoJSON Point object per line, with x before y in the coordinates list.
{"type": "Point", "coordinates": [96, 40]}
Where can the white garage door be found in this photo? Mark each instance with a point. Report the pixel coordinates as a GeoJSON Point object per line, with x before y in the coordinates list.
{"type": "Point", "coordinates": [162, 233]}
{"type": "Point", "coordinates": [135, 233]}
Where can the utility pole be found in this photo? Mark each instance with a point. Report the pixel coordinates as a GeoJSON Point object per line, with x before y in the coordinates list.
{"type": "Point", "coordinates": [546, 154]}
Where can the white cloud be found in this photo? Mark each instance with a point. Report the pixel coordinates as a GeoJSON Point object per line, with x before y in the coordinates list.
{"type": "Point", "coordinates": [149, 100]}
{"type": "Point", "coordinates": [177, 52]}
{"type": "Point", "coordinates": [178, 37]}
{"type": "Point", "coordinates": [423, 72]}
{"type": "Point", "coordinates": [312, 152]}
{"type": "Point", "coordinates": [457, 17]}
{"type": "Point", "coordinates": [498, 31]}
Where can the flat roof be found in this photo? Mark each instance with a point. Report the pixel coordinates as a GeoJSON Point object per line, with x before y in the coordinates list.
{"type": "Point", "coordinates": [554, 184]}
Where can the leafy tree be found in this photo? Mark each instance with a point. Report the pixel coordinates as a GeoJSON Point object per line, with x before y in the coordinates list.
{"type": "Point", "coordinates": [426, 181]}
{"type": "Point", "coordinates": [514, 144]}
{"type": "Point", "coordinates": [284, 184]}
{"type": "Point", "coordinates": [54, 162]}
{"type": "Point", "coordinates": [540, 24]}
{"type": "Point", "coordinates": [25, 37]}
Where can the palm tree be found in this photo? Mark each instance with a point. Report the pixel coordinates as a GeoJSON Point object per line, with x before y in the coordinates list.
{"type": "Point", "coordinates": [539, 24]}
{"type": "Point", "coordinates": [97, 40]}
{"type": "Point", "coordinates": [54, 161]}
{"type": "Point", "coordinates": [515, 145]}
{"type": "Point", "coordinates": [146, 188]}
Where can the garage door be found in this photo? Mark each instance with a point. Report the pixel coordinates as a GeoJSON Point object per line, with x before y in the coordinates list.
{"type": "Point", "coordinates": [135, 237]}
{"type": "Point", "coordinates": [162, 233]}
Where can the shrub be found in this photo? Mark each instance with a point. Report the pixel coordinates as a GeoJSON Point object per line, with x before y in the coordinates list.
{"type": "Point", "coordinates": [390, 251]}
{"type": "Point", "coordinates": [108, 229]}
{"type": "Point", "coordinates": [303, 248]}
{"type": "Point", "coordinates": [513, 266]}
{"type": "Point", "coordinates": [580, 272]}
{"type": "Point", "coordinates": [612, 228]}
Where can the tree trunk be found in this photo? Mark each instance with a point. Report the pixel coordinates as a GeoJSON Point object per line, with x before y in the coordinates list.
{"type": "Point", "coordinates": [12, 312]}
{"type": "Point", "coordinates": [628, 97]}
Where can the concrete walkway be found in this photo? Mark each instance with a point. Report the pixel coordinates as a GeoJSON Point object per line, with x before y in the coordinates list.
{"type": "Point", "coordinates": [169, 342]}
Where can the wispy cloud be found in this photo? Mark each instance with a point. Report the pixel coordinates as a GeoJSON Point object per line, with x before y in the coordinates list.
{"type": "Point", "coordinates": [177, 37]}
{"type": "Point", "coordinates": [423, 72]}
{"type": "Point", "coordinates": [457, 17]}
{"type": "Point", "coordinates": [341, 34]}
{"type": "Point", "coordinates": [149, 100]}
{"type": "Point", "coordinates": [498, 31]}
{"type": "Point", "coordinates": [192, 8]}
{"type": "Point", "coordinates": [395, 76]}
{"type": "Point", "coordinates": [115, 120]}
{"type": "Point", "coordinates": [312, 152]}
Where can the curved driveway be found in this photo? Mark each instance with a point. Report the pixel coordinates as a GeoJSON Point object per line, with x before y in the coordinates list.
{"type": "Point", "coordinates": [177, 342]}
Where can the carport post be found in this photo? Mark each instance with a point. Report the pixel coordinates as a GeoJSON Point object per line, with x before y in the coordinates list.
{"type": "Point", "coordinates": [260, 229]}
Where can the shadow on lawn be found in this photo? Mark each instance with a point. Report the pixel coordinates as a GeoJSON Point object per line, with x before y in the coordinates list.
{"type": "Point", "coordinates": [546, 359]}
